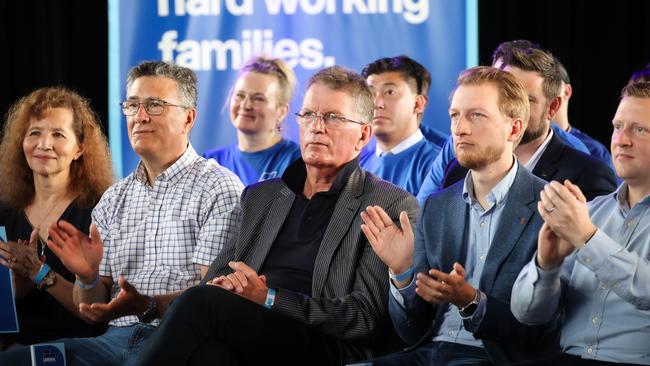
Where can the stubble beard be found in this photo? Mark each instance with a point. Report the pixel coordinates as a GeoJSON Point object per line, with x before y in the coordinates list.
{"type": "Point", "coordinates": [480, 159]}
{"type": "Point", "coordinates": [531, 135]}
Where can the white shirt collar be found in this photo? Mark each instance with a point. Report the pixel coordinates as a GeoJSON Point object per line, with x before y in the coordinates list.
{"type": "Point", "coordinates": [530, 165]}
{"type": "Point", "coordinates": [416, 137]}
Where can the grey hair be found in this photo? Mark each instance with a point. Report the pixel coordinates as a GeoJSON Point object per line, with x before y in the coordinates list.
{"type": "Point", "coordinates": [184, 77]}
{"type": "Point", "coordinates": [341, 78]}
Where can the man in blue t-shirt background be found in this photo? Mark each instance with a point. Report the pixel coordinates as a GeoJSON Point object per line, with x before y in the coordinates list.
{"type": "Point", "coordinates": [402, 155]}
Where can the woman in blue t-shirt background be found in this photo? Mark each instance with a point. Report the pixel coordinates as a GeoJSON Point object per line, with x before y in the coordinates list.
{"type": "Point", "coordinates": [259, 103]}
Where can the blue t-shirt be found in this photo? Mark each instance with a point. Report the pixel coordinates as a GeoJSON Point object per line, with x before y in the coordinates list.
{"type": "Point", "coordinates": [406, 169]}
{"type": "Point", "coordinates": [569, 139]}
{"type": "Point", "coordinates": [596, 149]}
{"type": "Point", "coordinates": [253, 167]}
{"type": "Point", "coordinates": [434, 178]}
{"type": "Point", "coordinates": [436, 137]}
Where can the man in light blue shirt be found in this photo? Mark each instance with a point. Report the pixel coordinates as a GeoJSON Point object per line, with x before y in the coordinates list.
{"type": "Point", "coordinates": [451, 280]}
{"type": "Point", "coordinates": [592, 261]}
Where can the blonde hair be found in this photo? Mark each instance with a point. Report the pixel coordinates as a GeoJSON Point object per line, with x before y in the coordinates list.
{"type": "Point", "coordinates": [276, 67]}
{"type": "Point", "coordinates": [90, 174]}
{"type": "Point", "coordinates": [513, 100]}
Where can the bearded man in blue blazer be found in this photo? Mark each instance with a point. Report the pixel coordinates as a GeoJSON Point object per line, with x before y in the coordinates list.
{"type": "Point", "coordinates": [451, 279]}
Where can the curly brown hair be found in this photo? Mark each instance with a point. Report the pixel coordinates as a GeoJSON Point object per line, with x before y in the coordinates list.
{"type": "Point", "coordinates": [90, 175]}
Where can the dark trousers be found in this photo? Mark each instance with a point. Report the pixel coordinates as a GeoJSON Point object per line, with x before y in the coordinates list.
{"type": "Point", "coordinates": [208, 325]}
{"type": "Point", "coordinates": [436, 354]}
{"type": "Point", "coordinates": [564, 359]}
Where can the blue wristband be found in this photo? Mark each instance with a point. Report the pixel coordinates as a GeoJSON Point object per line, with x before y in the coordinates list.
{"type": "Point", "coordinates": [270, 298]}
{"type": "Point", "coordinates": [402, 276]}
{"type": "Point", "coordinates": [45, 269]}
{"type": "Point", "coordinates": [84, 286]}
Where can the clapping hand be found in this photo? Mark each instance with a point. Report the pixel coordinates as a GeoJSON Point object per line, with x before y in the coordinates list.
{"type": "Point", "coordinates": [392, 244]}
{"type": "Point", "coordinates": [80, 253]}
{"type": "Point", "coordinates": [127, 302]}
{"type": "Point", "coordinates": [439, 287]}
{"type": "Point", "coordinates": [22, 256]}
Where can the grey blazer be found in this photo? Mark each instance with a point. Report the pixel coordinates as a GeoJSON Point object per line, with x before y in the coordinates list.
{"type": "Point", "coordinates": [350, 283]}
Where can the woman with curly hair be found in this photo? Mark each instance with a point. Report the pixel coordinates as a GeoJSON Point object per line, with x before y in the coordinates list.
{"type": "Point", "coordinates": [56, 165]}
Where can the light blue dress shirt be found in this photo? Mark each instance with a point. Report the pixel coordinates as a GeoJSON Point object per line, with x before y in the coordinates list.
{"type": "Point", "coordinates": [483, 224]}
{"type": "Point", "coordinates": [604, 287]}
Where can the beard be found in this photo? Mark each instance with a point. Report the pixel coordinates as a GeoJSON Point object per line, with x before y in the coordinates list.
{"type": "Point", "coordinates": [533, 133]}
{"type": "Point", "coordinates": [480, 158]}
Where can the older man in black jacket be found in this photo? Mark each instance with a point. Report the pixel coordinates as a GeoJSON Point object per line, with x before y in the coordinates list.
{"type": "Point", "coordinates": [299, 283]}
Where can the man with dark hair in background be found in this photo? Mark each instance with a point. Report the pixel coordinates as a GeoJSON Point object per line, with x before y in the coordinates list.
{"type": "Point", "coordinates": [402, 154]}
{"type": "Point", "coordinates": [541, 149]}
{"type": "Point", "coordinates": [596, 149]}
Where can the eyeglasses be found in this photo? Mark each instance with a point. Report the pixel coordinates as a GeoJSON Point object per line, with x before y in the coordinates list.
{"type": "Point", "coordinates": [153, 107]}
{"type": "Point", "coordinates": [330, 120]}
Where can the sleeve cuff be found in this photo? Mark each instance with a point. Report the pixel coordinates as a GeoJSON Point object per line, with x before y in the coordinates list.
{"type": "Point", "coordinates": [597, 251]}
{"type": "Point", "coordinates": [403, 295]}
{"type": "Point", "coordinates": [542, 277]}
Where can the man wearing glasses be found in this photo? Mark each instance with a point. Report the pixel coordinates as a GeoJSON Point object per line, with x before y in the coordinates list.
{"type": "Point", "coordinates": [299, 283]}
{"type": "Point", "coordinates": [154, 233]}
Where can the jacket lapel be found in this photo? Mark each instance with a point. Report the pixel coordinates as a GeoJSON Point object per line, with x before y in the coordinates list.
{"type": "Point", "coordinates": [344, 215]}
{"type": "Point", "coordinates": [546, 166]}
{"type": "Point", "coordinates": [514, 219]}
{"type": "Point", "coordinates": [456, 217]}
{"type": "Point", "coordinates": [272, 225]}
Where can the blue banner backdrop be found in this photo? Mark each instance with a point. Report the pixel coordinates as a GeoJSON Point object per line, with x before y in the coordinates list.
{"type": "Point", "coordinates": [215, 37]}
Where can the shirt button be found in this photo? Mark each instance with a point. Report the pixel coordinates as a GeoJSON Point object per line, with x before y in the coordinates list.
{"type": "Point", "coordinates": [603, 286]}
{"type": "Point", "coordinates": [451, 333]}
{"type": "Point", "coordinates": [482, 258]}
{"type": "Point", "coordinates": [595, 320]}
{"type": "Point", "coordinates": [589, 349]}
{"type": "Point", "coordinates": [482, 223]}
{"type": "Point", "coordinates": [588, 260]}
